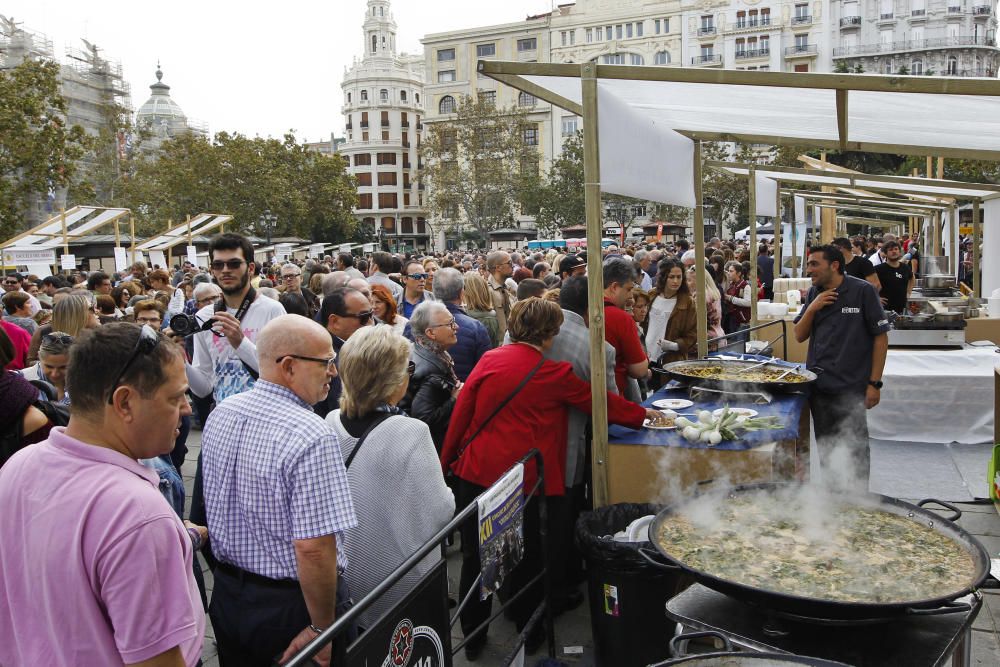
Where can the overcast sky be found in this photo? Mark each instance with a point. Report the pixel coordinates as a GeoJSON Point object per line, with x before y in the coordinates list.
{"type": "Point", "coordinates": [252, 67]}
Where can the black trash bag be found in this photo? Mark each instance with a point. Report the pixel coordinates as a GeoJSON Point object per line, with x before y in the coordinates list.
{"type": "Point", "coordinates": [595, 531]}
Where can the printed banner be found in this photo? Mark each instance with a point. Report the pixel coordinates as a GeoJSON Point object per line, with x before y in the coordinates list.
{"type": "Point", "coordinates": [316, 250]}
{"type": "Point", "coordinates": [121, 260]}
{"type": "Point", "coordinates": [67, 262]}
{"type": "Point", "coordinates": [192, 255]}
{"type": "Point", "coordinates": [501, 529]}
{"type": "Point", "coordinates": [157, 258]}
{"type": "Point", "coordinates": [29, 256]}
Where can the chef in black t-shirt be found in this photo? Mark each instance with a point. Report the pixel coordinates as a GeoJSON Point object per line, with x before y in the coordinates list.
{"type": "Point", "coordinates": [858, 266]}
{"type": "Point", "coordinates": [896, 278]}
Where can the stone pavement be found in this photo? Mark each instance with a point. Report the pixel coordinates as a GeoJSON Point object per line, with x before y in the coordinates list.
{"type": "Point", "coordinates": [573, 628]}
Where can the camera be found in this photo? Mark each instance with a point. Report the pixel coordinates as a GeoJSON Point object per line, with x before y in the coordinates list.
{"type": "Point", "coordinates": [188, 325]}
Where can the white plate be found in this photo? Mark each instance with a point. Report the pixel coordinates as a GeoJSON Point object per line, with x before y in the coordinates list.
{"type": "Point", "coordinates": [672, 403]}
{"type": "Point", "coordinates": [741, 412]}
{"type": "Point", "coordinates": [658, 428]}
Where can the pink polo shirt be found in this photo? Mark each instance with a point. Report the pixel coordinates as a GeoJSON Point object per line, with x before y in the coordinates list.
{"type": "Point", "coordinates": [95, 567]}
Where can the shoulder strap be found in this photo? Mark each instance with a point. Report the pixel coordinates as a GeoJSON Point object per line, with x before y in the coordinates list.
{"type": "Point", "coordinates": [357, 447]}
{"type": "Point", "coordinates": [500, 407]}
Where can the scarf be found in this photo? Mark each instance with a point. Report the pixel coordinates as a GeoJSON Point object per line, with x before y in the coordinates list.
{"type": "Point", "coordinates": [16, 394]}
{"type": "Point", "coordinates": [440, 354]}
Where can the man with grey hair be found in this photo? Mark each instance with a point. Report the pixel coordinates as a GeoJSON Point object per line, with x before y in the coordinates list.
{"type": "Point", "coordinates": [642, 260]}
{"type": "Point", "coordinates": [333, 282]}
{"type": "Point", "coordinates": [362, 286]}
{"type": "Point", "coordinates": [619, 327]}
{"type": "Point", "coordinates": [500, 267]}
{"type": "Point", "coordinates": [473, 338]}
{"type": "Point", "coordinates": [688, 259]}
{"type": "Point", "coordinates": [381, 264]}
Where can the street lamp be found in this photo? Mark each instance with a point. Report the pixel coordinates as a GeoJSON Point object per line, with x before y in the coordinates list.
{"type": "Point", "coordinates": [267, 222]}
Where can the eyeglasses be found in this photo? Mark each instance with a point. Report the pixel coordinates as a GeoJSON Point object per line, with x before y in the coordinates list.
{"type": "Point", "coordinates": [289, 276]}
{"type": "Point", "coordinates": [363, 317]}
{"type": "Point", "coordinates": [10, 282]}
{"type": "Point", "coordinates": [207, 299]}
{"type": "Point", "coordinates": [231, 264]}
{"type": "Point", "coordinates": [148, 320]}
{"type": "Point", "coordinates": [330, 363]}
{"type": "Point", "coordinates": [148, 340]}
{"type": "Point", "coordinates": [50, 338]}
{"type": "Point", "coordinates": [453, 323]}
{"type": "Point", "coordinates": [417, 276]}
{"type": "Point", "coordinates": [411, 368]}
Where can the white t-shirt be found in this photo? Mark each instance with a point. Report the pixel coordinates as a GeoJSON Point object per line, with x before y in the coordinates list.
{"type": "Point", "coordinates": [217, 367]}
{"type": "Point", "coordinates": [659, 315]}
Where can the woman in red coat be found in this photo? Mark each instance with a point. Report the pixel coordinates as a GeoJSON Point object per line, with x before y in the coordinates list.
{"type": "Point", "coordinates": [536, 417]}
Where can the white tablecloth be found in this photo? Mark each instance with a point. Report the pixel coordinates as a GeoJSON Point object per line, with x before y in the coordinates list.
{"type": "Point", "coordinates": [936, 396]}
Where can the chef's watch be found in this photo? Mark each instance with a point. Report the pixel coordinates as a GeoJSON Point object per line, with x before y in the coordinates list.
{"type": "Point", "coordinates": [875, 383]}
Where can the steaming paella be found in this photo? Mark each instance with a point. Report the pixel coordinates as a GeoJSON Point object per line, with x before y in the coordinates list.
{"type": "Point", "coordinates": [736, 373]}
{"type": "Point", "coordinates": [846, 554]}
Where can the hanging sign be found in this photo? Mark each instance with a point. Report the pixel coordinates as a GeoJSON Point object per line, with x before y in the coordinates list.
{"type": "Point", "coordinates": [192, 255]}
{"type": "Point", "coordinates": [659, 232]}
{"type": "Point", "coordinates": [29, 256]}
{"type": "Point", "coordinates": [501, 529]}
{"type": "Point", "coordinates": [316, 250]}
{"type": "Point", "coordinates": [156, 257]}
{"type": "Point", "coordinates": [67, 262]}
{"type": "Point", "coordinates": [121, 260]}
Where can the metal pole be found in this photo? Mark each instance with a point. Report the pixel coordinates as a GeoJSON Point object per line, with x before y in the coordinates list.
{"type": "Point", "coordinates": [977, 286]}
{"type": "Point", "coordinates": [752, 209]}
{"type": "Point", "coordinates": [595, 282]}
{"type": "Point", "coordinates": [699, 254]}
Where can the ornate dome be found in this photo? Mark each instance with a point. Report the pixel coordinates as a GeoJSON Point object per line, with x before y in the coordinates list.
{"type": "Point", "coordinates": [160, 112]}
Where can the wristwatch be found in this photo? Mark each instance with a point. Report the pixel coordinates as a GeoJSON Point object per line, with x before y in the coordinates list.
{"type": "Point", "coordinates": [876, 383]}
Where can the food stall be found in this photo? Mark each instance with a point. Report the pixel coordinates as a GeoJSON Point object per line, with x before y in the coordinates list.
{"type": "Point", "coordinates": [659, 464]}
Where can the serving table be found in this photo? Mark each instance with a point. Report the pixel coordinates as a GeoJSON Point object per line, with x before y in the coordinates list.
{"type": "Point", "coordinates": [908, 641]}
{"type": "Point", "coordinates": [660, 466]}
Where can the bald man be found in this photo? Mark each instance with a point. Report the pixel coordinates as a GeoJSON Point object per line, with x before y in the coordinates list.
{"type": "Point", "coordinates": [277, 549]}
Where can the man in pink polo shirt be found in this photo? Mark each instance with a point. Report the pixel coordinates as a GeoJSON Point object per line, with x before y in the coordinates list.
{"type": "Point", "coordinates": [95, 567]}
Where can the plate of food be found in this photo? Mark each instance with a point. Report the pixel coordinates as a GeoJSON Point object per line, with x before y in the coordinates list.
{"type": "Point", "coordinates": [672, 404]}
{"type": "Point", "coordinates": [741, 412]}
{"type": "Point", "coordinates": [660, 423]}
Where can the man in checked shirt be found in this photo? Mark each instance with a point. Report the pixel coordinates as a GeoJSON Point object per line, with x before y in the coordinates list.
{"type": "Point", "coordinates": [278, 501]}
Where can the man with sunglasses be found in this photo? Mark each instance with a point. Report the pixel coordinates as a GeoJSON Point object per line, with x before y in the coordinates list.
{"type": "Point", "coordinates": [225, 359]}
{"type": "Point", "coordinates": [414, 294]}
{"type": "Point", "coordinates": [95, 566]}
{"type": "Point", "coordinates": [344, 311]}
{"type": "Point", "coordinates": [14, 282]}
{"type": "Point", "coordinates": [279, 580]}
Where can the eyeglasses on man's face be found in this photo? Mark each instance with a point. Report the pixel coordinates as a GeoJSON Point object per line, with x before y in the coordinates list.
{"type": "Point", "coordinates": [231, 264]}
{"type": "Point", "coordinates": [417, 276]}
{"type": "Point", "coordinates": [150, 320]}
{"type": "Point", "coordinates": [291, 276]}
{"type": "Point", "coordinates": [453, 323]}
{"type": "Point", "coordinates": [331, 362]}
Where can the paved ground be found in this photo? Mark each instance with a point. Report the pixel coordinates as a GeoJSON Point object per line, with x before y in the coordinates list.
{"type": "Point", "coordinates": [573, 628]}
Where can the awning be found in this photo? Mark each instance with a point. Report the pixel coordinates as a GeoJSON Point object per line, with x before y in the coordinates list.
{"type": "Point", "coordinates": [200, 224]}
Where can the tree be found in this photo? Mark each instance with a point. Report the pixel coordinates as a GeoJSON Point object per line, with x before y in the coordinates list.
{"type": "Point", "coordinates": [478, 166]}
{"type": "Point", "coordinates": [311, 194]}
{"type": "Point", "coordinates": [560, 196]}
{"type": "Point", "coordinates": [38, 152]}
{"type": "Point", "coordinates": [112, 159]}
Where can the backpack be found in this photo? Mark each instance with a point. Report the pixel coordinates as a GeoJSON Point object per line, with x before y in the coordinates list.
{"type": "Point", "coordinates": [12, 438]}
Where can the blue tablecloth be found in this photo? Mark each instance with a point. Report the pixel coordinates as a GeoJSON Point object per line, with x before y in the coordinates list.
{"type": "Point", "coordinates": [786, 407]}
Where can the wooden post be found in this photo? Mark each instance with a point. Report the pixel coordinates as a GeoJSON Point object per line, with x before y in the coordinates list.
{"type": "Point", "coordinates": [699, 254]}
{"type": "Point", "coordinates": [777, 233]}
{"type": "Point", "coordinates": [977, 286]}
{"type": "Point", "coordinates": [752, 210]}
{"type": "Point", "coordinates": [595, 283]}
{"type": "Point", "coordinates": [131, 231]}
{"type": "Point", "coordinates": [170, 248]}
{"type": "Point", "coordinates": [189, 228]}
{"type": "Point", "coordinates": [65, 235]}
{"type": "Point", "coordinates": [794, 254]}
{"type": "Point", "coordinates": [953, 239]}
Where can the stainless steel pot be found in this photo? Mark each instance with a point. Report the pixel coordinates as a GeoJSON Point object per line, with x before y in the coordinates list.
{"type": "Point", "coordinates": [938, 281]}
{"type": "Point", "coordinates": [949, 316]}
{"type": "Point", "coordinates": [731, 658]}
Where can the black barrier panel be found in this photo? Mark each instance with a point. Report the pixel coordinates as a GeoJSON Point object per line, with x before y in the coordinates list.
{"type": "Point", "coordinates": [415, 633]}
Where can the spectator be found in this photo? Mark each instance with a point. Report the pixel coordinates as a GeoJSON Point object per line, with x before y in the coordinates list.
{"type": "Point", "coordinates": [391, 526]}
{"type": "Point", "coordinates": [430, 268]}
{"type": "Point", "coordinates": [12, 282]}
{"type": "Point", "coordinates": [479, 305]}
{"type": "Point", "coordinates": [343, 312]}
{"type": "Point", "coordinates": [291, 279]}
{"type": "Point", "coordinates": [98, 282]}
{"type": "Point", "coordinates": [673, 321]}
{"type": "Point", "coordinates": [20, 343]}
{"type": "Point", "coordinates": [414, 293]}
{"type": "Point", "coordinates": [619, 328]}
{"type": "Point", "coordinates": [530, 287]}
{"type": "Point", "coordinates": [106, 311]}
{"type": "Point", "coordinates": [765, 270]}
{"type": "Point", "coordinates": [381, 265]}
{"type": "Point", "coordinates": [857, 265]}
{"type": "Point", "coordinates": [151, 312]}
{"type": "Point", "coordinates": [384, 308]}
{"type": "Point", "coordinates": [53, 361]}
{"type": "Point", "coordinates": [71, 314]}
{"type": "Point", "coordinates": [499, 268]}
{"type": "Point", "coordinates": [473, 337]}
{"type": "Point", "coordinates": [16, 309]}
{"type": "Point", "coordinates": [713, 303]}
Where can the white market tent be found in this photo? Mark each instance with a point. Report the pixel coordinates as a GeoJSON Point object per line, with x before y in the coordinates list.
{"type": "Point", "coordinates": [643, 128]}
{"type": "Point", "coordinates": [185, 231]}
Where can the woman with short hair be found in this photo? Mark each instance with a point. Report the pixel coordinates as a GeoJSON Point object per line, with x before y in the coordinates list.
{"type": "Point", "coordinates": [384, 308]}
{"type": "Point", "coordinates": [53, 360]}
{"type": "Point", "coordinates": [484, 442]}
{"type": "Point", "coordinates": [397, 453]}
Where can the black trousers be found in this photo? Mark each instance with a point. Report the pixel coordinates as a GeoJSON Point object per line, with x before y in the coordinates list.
{"type": "Point", "coordinates": [477, 611]}
{"type": "Point", "coordinates": [255, 619]}
{"type": "Point", "coordinates": [840, 421]}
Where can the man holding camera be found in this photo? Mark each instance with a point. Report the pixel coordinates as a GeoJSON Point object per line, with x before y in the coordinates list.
{"type": "Point", "coordinates": [225, 358]}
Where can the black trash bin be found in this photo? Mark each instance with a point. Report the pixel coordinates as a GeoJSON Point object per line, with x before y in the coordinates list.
{"type": "Point", "coordinates": [627, 595]}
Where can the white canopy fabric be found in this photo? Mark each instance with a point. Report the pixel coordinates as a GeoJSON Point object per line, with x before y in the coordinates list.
{"type": "Point", "coordinates": [201, 224]}
{"type": "Point", "coordinates": [79, 220]}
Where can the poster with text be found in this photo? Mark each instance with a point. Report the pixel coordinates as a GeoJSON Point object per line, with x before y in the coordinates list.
{"type": "Point", "coordinates": [501, 529]}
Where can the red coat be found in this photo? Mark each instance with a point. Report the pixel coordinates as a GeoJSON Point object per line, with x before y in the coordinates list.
{"type": "Point", "coordinates": [536, 417]}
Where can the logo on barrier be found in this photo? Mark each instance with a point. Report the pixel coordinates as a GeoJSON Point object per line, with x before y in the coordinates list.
{"type": "Point", "coordinates": [404, 645]}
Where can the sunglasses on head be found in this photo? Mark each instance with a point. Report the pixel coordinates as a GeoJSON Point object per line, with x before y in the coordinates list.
{"type": "Point", "coordinates": [147, 342]}
{"type": "Point", "coordinates": [65, 339]}
{"type": "Point", "coordinates": [231, 264]}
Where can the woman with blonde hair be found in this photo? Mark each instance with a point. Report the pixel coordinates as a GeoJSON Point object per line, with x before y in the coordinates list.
{"type": "Point", "coordinates": [71, 315]}
{"type": "Point", "coordinates": [713, 302]}
{"type": "Point", "coordinates": [377, 441]}
{"type": "Point", "coordinates": [479, 305]}
{"type": "Point", "coordinates": [430, 268]}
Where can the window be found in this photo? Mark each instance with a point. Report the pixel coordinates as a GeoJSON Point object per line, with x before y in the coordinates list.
{"type": "Point", "coordinates": [446, 76]}
{"type": "Point", "coordinates": [364, 120]}
{"type": "Point", "coordinates": [656, 26]}
{"type": "Point", "coordinates": [364, 95]}
{"type": "Point", "coordinates": [636, 59]}
{"type": "Point", "coordinates": [618, 31]}
{"type": "Point", "coordinates": [383, 96]}
{"type": "Point", "coordinates": [661, 58]}
{"type": "Point", "coordinates": [488, 97]}
{"type": "Point", "coordinates": [885, 10]}
{"type": "Point", "coordinates": [406, 225]}
{"type": "Point", "coordinates": [570, 124]}
{"type": "Point", "coordinates": [918, 8]}
{"type": "Point", "coordinates": [348, 98]}
{"type": "Point", "coordinates": [447, 104]}
{"type": "Point", "coordinates": [526, 100]}
{"type": "Point", "coordinates": [374, 43]}
{"type": "Point", "coordinates": [612, 59]}
{"type": "Point", "coordinates": [666, 26]}
{"type": "Point", "coordinates": [362, 159]}
{"type": "Point", "coordinates": [952, 66]}
{"type": "Point", "coordinates": [387, 200]}
{"type": "Point", "coordinates": [387, 178]}
{"type": "Point", "coordinates": [708, 24]}
{"type": "Point", "coordinates": [801, 11]}
{"type": "Point", "coordinates": [628, 31]}
{"type": "Point", "coordinates": [402, 96]}
{"type": "Point", "coordinates": [572, 37]}
{"type": "Point", "coordinates": [599, 34]}
{"type": "Point", "coordinates": [741, 19]}
{"type": "Point", "coordinates": [563, 38]}
{"type": "Point", "coordinates": [885, 36]}
{"type": "Point", "coordinates": [389, 224]}
{"type": "Point", "coordinates": [364, 200]}
{"type": "Point", "coordinates": [406, 179]}
{"type": "Point", "coordinates": [385, 119]}
{"type": "Point", "coordinates": [386, 158]}
{"type": "Point", "coordinates": [421, 226]}
{"type": "Point", "coordinates": [527, 44]}
{"type": "Point", "coordinates": [887, 68]}
{"type": "Point", "coordinates": [639, 211]}
{"type": "Point", "coordinates": [416, 97]}
{"type": "Point", "coordinates": [486, 50]}
{"type": "Point", "coordinates": [590, 35]}
{"type": "Point", "coordinates": [638, 29]}
{"type": "Point", "coordinates": [917, 67]}
{"type": "Point", "coordinates": [446, 55]}
{"type": "Point", "coordinates": [801, 41]}
{"type": "Point", "coordinates": [531, 136]}
{"type": "Point", "coordinates": [608, 35]}
{"type": "Point", "coordinates": [364, 178]}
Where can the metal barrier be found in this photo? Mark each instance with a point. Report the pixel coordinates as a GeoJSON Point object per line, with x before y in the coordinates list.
{"type": "Point", "coordinates": [543, 612]}
{"type": "Point", "coordinates": [783, 337]}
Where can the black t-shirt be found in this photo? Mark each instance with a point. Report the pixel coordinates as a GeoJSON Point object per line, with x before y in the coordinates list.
{"type": "Point", "coordinates": [894, 282]}
{"type": "Point", "coordinates": [860, 267]}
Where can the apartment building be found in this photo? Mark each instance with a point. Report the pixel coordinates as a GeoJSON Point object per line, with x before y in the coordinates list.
{"type": "Point", "coordinates": [383, 115]}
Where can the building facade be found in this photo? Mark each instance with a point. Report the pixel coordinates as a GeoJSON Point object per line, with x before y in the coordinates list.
{"type": "Point", "coordinates": [383, 115]}
{"type": "Point", "coordinates": [928, 37]}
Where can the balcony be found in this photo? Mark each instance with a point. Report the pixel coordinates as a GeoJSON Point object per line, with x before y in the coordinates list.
{"type": "Point", "coordinates": [913, 45]}
{"type": "Point", "coordinates": [420, 126]}
{"type": "Point", "coordinates": [982, 10]}
{"type": "Point", "coordinates": [706, 30]}
{"type": "Point", "coordinates": [850, 22]}
{"type": "Point", "coordinates": [364, 125]}
{"type": "Point", "coordinates": [751, 24]}
{"type": "Point", "coordinates": [405, 123]}
{"type": "Point", "coordinates": [801, 51]}
{"type": "Point", "coordinates": [746, 54]}
{"type": "Point", "coordinates": [385, 123]}
{"type": "Point", "coordinates": [707, 59]}
{"type": "Point", "coordinates": [406, 144]}
{"type": "Point", "coordinates": [918, 13]}
{"type": "Point", "coordinates": [802, 19]}
{"type": "Point", "coordinates": [954, 10]}
{"type": "Point", "coordinates": [349, 126]}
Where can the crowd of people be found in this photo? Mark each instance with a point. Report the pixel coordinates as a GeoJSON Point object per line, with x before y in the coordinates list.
{"type": "Point", "coordinates": [318, 385]}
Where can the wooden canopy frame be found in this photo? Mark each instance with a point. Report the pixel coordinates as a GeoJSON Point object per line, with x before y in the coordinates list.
{"type": "Point", "coordinates": [513, 73]}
